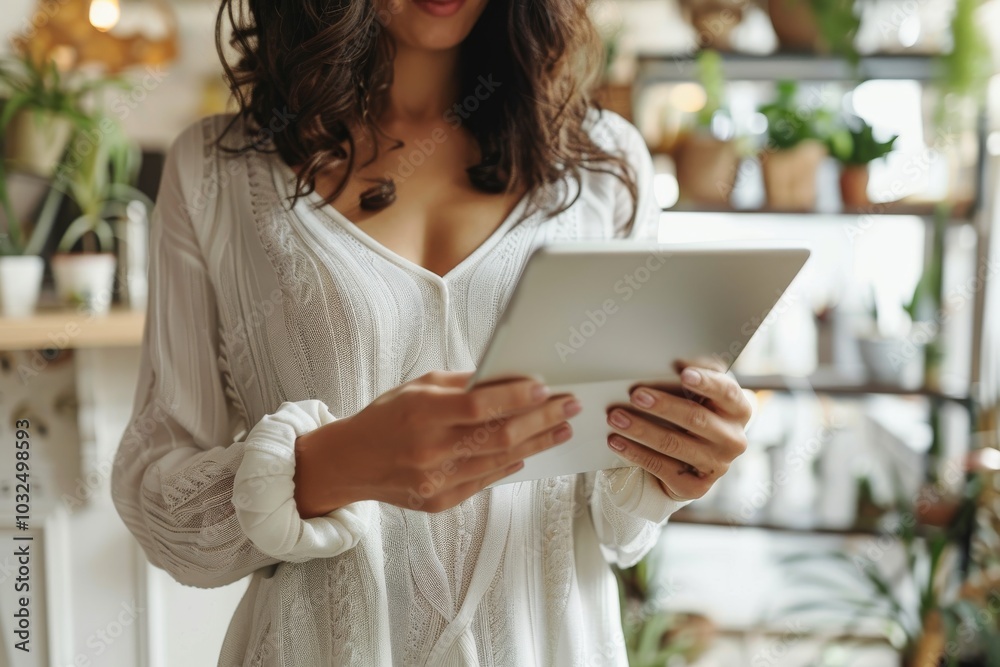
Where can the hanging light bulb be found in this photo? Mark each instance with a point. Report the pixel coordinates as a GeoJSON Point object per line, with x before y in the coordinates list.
{"type": "Point", "coordinates": [104, 14]}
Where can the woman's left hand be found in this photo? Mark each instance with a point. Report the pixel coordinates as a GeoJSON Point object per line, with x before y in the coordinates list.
{"type": "Point", "coordinates": [687, 442]}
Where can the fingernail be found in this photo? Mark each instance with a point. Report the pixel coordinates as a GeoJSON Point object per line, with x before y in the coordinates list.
{"type": "Point", "coordinates": [616, 443]}
{"type": "Point", "coordinates": [540, 392]}
{"type": "Point", "coordinates": [643, 399]}
{"type": "Point", "coordinates": [563, 433]}
{"type": "Point", "coordinates": [572, 408]}
{"type": "Point", "coordinates": [619, 419]}
{"type": "Point", "coordinates": [691, 377]}
{"type": "Point", "coordinates": [515, 467]}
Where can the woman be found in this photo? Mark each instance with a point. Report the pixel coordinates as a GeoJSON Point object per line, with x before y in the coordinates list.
{"type": "Point", "coordinates": [328, 265]}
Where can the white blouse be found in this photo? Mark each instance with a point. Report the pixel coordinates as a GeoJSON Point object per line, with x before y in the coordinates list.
{"type": "Point", "coordinates": [266, 322]}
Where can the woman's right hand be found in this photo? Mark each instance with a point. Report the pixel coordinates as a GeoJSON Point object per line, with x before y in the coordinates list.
{"type": "Point", "coordinates": [428, 444]}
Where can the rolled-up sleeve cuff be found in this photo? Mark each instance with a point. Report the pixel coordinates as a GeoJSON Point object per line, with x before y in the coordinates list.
{"type": "Point", "coordinates": [263, 491]}
{"type": "Point", "coordinates": [637, 493]}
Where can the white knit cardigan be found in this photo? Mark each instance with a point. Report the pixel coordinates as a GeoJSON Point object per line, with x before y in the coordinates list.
{"type": "Point", "coordinates": [266, 322]}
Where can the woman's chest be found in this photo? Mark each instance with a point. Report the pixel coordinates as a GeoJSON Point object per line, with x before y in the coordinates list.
{"type": "Point", "coordinates": [435, 224]}
{"type": "Point", "coordinates": [313, 307]}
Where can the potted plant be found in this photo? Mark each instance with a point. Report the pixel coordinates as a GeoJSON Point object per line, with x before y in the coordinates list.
{"type": "Point", "coordinates": [962, 76]}
{"type": "Point", "coordinates": [923, 607]}
{"type": "Point", "coordinates": [797, 139]}
{"type": "Point", "coordinates": [928, 301]}
{"type": "Point", "coordinates": [614, 91]}
{"type": "Point", "coordinates": [41, 112]}
{"type": "Point", "coordinates": [20, 271]}
{"type": "Point", "coordinates": [654, 636]}
{"type": "Point", "coordinates": [911, 606]}
{"type": "Point", "coordinates": [855, 156]}
{"type": "Point", "coordinates": [706, 156]}
{"type": "Point", "coordinates": [892, 353]}
{"type": "Point", "coordinates": [964, 70]}
{"type": "Point", "coordinates": [824, 26]}
{"type": "Point", "coordinates": [714, 21]}
{"type": "Point", "coordinates": [981, 589]}
{"type": "Point", "coordinates": [101, 186]}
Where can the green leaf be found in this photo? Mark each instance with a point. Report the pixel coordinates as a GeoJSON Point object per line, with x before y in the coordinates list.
{"type": "Point", "coordinates": [126, 193]}
{"type": "Point", "coordinates": [12, 238]}
{"type": "Point", "coordinates": [15, 103]}
{"type": "Point", "coordinates": [652, 633]}
{"type": "Point", "coordinates": [838, 22]}
{"type": "Point", "coordinates": [75, 231]}
{"type": "Point", "coordinates": [105, 234]}
{"type": "Point", "coordinates": [789, 123]}
{"type": "Point", "coordinates": [46, 220]}
{"type": "Point", "coordinates": [858, 146]}
{"type": "Point", "coordinates": [966, 68]}
{"type": "Point", "coordinates": [713, 80]}
{"type": "Point", "coordinates": [856, 606]}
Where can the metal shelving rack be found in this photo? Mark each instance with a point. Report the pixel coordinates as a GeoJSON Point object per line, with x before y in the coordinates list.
{"type": "Point", "coordinates": [655, 69]}
{"type": "Point", "coordinates": [798, 66]}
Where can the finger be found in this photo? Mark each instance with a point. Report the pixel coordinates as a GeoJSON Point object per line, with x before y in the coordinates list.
{"type": "Point", "coordinates": [465, 491]}
{"type": "Point", "coordinates": [449, 379]}
{"type": "Point", "coordinates": [492, 402]}
{"type": "Point", "coordinates": [724, 391]}
{"type": "Point", "coordinates": [691, 416]}
{"type": "Point", "coordinates": [504, 433]}
{"type": "Point", "coordinates": [519, 429]}
{"type": "Point", "coordinates": [677, 478]}
{"type": "Point", "coordinates": [481, 466]}
{"type": "Point", "coordinates": [711, 362]}
{"type": "Point", "coordinates": [668, 441]}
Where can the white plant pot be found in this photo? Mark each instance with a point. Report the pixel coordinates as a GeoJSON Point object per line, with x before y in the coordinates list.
{"type": "Point", "coordinates": [893, 361]}
{"type": "Point", "coordinates": [86, 280]}
{"type": "Point", "coordinates": [20, 282]}
{"type": "Point", "coordinates": [35, 140]}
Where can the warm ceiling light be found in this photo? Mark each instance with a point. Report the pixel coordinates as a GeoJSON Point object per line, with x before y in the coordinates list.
{"type": "Point", "coordinates": [104, 14]}
{"type": "Point", "coordinates": [78, 32]}
{"type": "Point", "coordinates": [688, 97]}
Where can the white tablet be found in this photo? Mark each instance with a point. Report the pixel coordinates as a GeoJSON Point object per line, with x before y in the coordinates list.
{"type": "Point", "coordinates": [596, 319]}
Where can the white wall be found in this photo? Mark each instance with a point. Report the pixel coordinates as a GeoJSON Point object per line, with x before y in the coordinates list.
{"type": "Point", "coordinates": [106, 607]}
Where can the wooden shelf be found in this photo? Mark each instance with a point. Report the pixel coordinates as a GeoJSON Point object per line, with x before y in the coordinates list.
{"type": "Point", "coordinates": [961, 211]}
{"type": "Point", "coordinates": [833, 386]}
{"type": "Point", "coordinates": [66, 328]}
{"type": "Point", "coordinates": [697, 518]}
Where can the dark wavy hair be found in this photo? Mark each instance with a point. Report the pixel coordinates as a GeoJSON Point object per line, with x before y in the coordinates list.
{"type": "Point", "coordinates": [329, 63]}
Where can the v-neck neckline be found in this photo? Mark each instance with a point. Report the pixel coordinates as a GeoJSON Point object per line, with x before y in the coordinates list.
{"type": "Point", "coordinates": [318, 204]}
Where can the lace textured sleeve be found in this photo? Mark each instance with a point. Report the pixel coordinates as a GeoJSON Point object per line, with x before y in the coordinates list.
{"type": "Point", "coordinates": [175, 471]}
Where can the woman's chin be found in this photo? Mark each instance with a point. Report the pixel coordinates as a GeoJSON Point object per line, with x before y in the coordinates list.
{"type": "Point", "coordinates": [434, 26]}
{"type": "Point", "coordinates": [435, 40]}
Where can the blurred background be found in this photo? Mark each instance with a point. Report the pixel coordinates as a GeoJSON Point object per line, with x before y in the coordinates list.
{"type": "Point", "coordinates": [862, 527]}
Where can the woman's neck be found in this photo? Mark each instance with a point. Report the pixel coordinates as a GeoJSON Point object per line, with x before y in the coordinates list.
{"type": "Point", "coordinates": [425, 85]}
